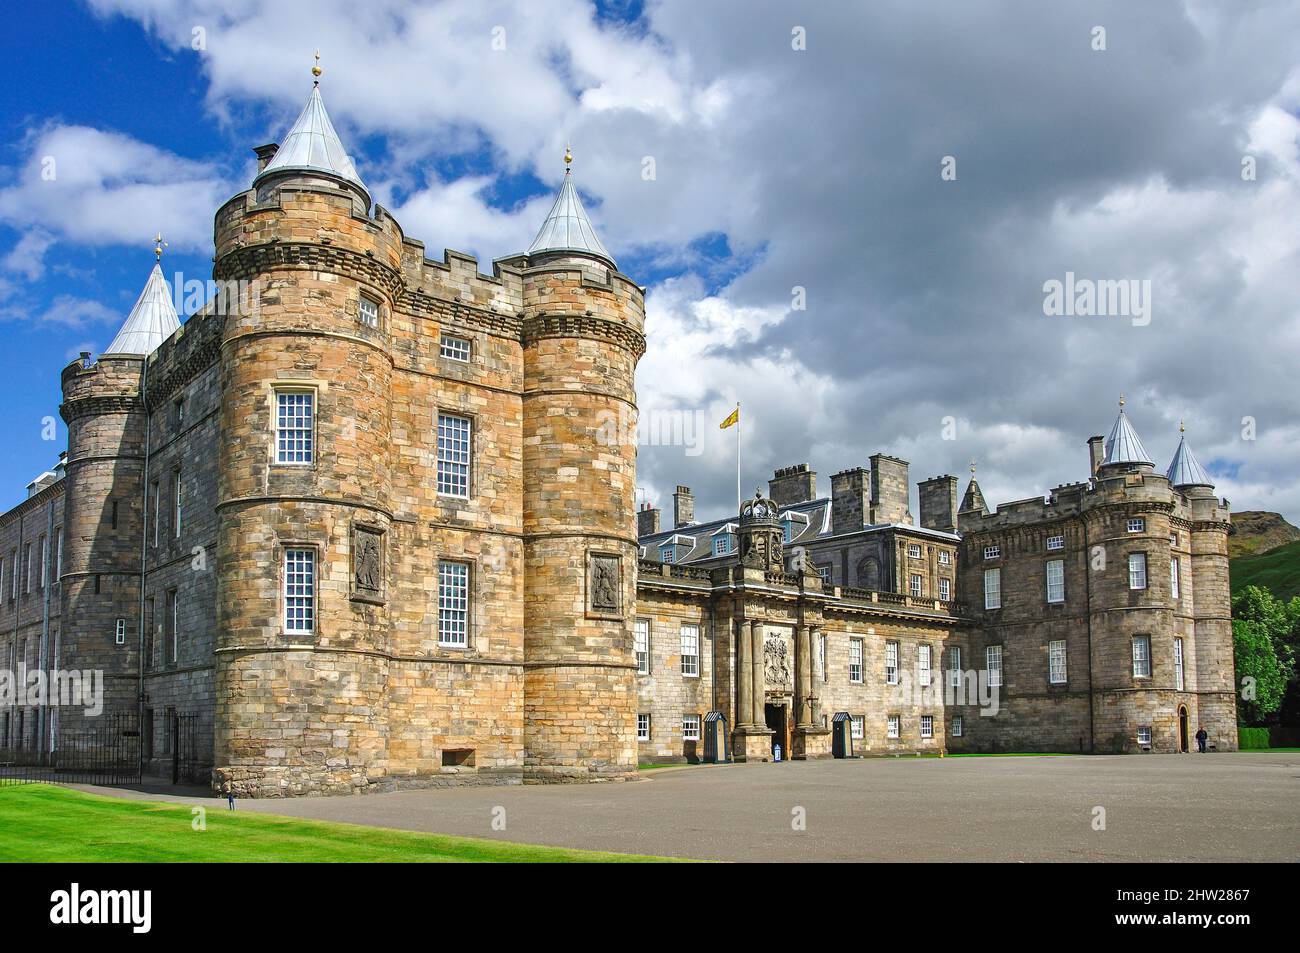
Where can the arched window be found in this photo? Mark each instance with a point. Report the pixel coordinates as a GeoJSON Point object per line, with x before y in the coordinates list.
{"type": "Point", "coordinates": [869, 573]}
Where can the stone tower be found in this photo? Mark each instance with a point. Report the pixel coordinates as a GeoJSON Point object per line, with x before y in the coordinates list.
{"type": "Point", "coordinates": [104, 512]}
{"type": "Point", "coordinates": [582, 338]}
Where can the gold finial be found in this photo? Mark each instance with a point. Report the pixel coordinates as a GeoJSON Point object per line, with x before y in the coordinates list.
{"type": "Point", "coordinates": [1181, 428]}
{"type": "Point", "coordinates": [158, 246]}
{"type": "Point", "coordinates": [972, 468]}
{"type": "Point", "coordinates": [568, 158]}
{"type": "Point", "coordinates": [316, 70]}
{"type": "Point", "coordinates": [1121, 401]}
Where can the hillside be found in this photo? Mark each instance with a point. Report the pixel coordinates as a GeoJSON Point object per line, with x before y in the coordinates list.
{"type": "Point", "coordinates": [1277, 570]}
{"type": "Point", "coordinates": [1254, 532]}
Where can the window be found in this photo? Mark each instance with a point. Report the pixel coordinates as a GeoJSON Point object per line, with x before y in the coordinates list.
{"type": "Point", "coordinates": [643, 727]}
{"type": "Point", "coordinates": [915, 587]}
{"type": "Point", "coordinates": [787, 530]}
{"type": "Point", "coordinates": [27, 567]}
{"type": "Point", "coordinates": [454, 348]}
{"type": "Point", "coordinates": [891, 726]}
{"type": "Point", "coordinates": [993, 665]}
{"type": "Point", "coordinates": [13, 558]}
{"type": "Point", "coordinates": [1173, 539]}
{"type": "Point", "coordinates": [148, 633]}
{"type": "Point", "coordinates": [1142, 656]}
{"type": "Point", "coordinates": [173, 640]}
{"type": "Point", "coordinates": [993, 589]}
{"type": "Point", "coordinates": [1137, 570]}
{"type": "Point", "coordinates": [855, 661]}
{"type": "Point", "coordinates": [667, 553]}
{"type": "Point", "coordinates": [58, 554]}
{"type": "Point", "coordinates": [944, 558]}
{"type": "Point", "coordinates": [923, 655]}
{"type": "Point", "coordinates": [299, 590]}
{"type": "Point", "coordinates": [721, 545]}
{"type": "Point", "coordinates": [1056, 662]}
{"type": "Point", "coordinates": [1144, 735]}
{"type": "Point", "coordinates": [691, 728]}
{"type": "Point", "coordinates": [821, 657]}
{"type": "Point", "coordinates": [913, 551]}
{"type": "Point", "coordinates": [857, 726]}
{"type": "Point", "coordinates": [119, 632]}
{"type": "Point", "coordinates": [453, 455]}
{"type": "Point", "coordinates": [1056, 580]}
{"type": "Point", "coordinates": [1173, 577]}
{"type": "Point", "coordinates": [2, 589]}
{"type": "Point", "coordinates": [368, 311]}
{"type": "Point", "coordinates": [992, 552]}
{"type": "Point", "coordinates": [453, 603]}
{"type": "Point", "coordinates": [1056, 542]}
{"type": "Point", "coordinates": [157, 511]}
{"type": "Point", "coordinates": [641, 645]}
{"type": "Point", "coordinates": [954, 665]}
{"type": "Point", "coordinates": [1137, 525]}
{"type": "Point", "coordinates": [927, 726]}
{"type": "Point", "coordinates": [690, 650]}
{"type": "Point", "coordinates": [1178, 665]}
{"type": "Point", "coordinates": [945, 589]}
{"type": "Point", "coordinates": [955, 721]}
{"type": "Point", "coordinates": [891, 663]}
{"type": "Point", "coordinates": [295, 413]}
{"type": "Point", "coordinates": [177, 493]}
{"type": "Point", "coordinates": [178, 407]}
{"type": "Point", "coordinates": [43, 550]}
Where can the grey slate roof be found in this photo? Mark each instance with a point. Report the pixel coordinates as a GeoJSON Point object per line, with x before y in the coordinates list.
{"type": "Point", "coordinates": [313, 145]}
{"type": "Point", "coordinates": [1123, 445]}
{"type": "Point", "coordinates": [152, 320]}
{"type": "Point", "coordinates": [567, 227]}
{"type": "Point", "coordinates": [1185, 470]}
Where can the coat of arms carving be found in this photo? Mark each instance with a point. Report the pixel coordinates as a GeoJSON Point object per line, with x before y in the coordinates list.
{"type": "Point", "coordinates": [776, 663]}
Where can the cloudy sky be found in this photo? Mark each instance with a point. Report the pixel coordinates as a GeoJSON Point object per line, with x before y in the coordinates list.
{"type": "Point", "coordinates": [846, 213]}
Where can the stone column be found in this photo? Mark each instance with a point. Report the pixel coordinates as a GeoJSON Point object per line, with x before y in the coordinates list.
{"type": "Point", "coordinates": [814, 637]}
{"type": "Point", "coordinates": [803, 676]}
{"type": "Point", "coordinates": [756, 661]}
{"type": "Point", "coordinates": [744, 674]}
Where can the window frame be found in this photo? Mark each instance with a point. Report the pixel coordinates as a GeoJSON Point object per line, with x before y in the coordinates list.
{"type": "Point", "coordinates": [1180, 673]}
{"type": "Point", "coordinates": [992, 653]}
{"type": "Point", "coordinates": [954, 666]}
{"type": "Point", "coordinates": [279, 454]}
{"type": "Point", "coordinates": [362, 300]}
{"type": "Point", "coordinates": [452, 471]}
{"type": "Point", "coordinates": [643, 734]}
{"type": "Point", "coordinates": [944, 558]}
{"type": "Point", "coordinates": [1175, 579]}
{"type": "Point", "coordinates": [691, 670]}
{"type": "Point", "coordinates": [913, 550]}
{"type": "Point", "coordinates": [448, 348]}
{"type": "Point", "coordinates": [927, 727]}
{"type": "Point", "coordinates": [857, 727]}
{"type": "Point", "coordinates": [641, 645]}
{"type": "Point", "coordinates": [1055, 542]}
{"type": "Point", "coordinates": [1141, 660]}
{"type": "Point", "coordinates": [893, 726]}
{"type": "Point", "coordinates": [945, 589]}
{"type": "Point", "coordinates": [1136, 524]}
{"type": "Point", "coordinates": [924, 661]}
{"type": "Point", "coordinates": [993, 552]}
{"type": "Point", "coordinates": [1141, 730]}
{"type": "Point", "coordinates": [1134, 576]}
{"type": "Point", "coordinates": [686, 735]}
{"type": "Point", "coordinates": [891, 661]}
{"type": "Point", "coordinates": [295, 601]}
{"type": "Point", "coordinates": [955, 726]}
{"type": "Point", "coordinates": [1059, 566]}
{"type": "Point", "coordinates": [178, 500]}
{"type": "Point", "coordinates": [993, 597]}
{"type": "Point", "coordinates": [460, 569]}
{"type": "Point", "coordinates": [1057, 651]}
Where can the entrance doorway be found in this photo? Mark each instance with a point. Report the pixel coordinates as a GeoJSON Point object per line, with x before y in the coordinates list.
{"type": "Point", "coordinates": [1182, 728]}
{"type": "Point", "coordinates": [775, 716]}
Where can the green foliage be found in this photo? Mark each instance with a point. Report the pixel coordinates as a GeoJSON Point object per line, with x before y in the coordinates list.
{"type": "Point", "coordinates": [1277, 570]}
{"type": "Point", "coordinates": [1265, 633]}
{"type": "Point", "coordinates": [1252, 739]}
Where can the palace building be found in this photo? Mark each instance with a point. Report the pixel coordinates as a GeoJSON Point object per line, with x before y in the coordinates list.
{"type": "Point", "coordinates": [360, 524]}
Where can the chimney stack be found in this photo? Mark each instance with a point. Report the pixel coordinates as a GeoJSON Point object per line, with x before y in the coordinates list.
{"type": "Point", "coordinates": [1096, 453]}
{"type": "Point", "coordinates": [683, 507]}
{"type": "Point", "coordinates": [265, 154]}
{"type": "Point", "coordinates": [790, 485]}
{"type": "Point", "coordinates": [647, 520]}
{"type": "Point", "coordinates": [939, 503]}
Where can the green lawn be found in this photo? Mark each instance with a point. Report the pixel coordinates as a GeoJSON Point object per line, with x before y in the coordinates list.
{"type": "Point", "coordinates": [39, 822]}
{"type": "Point", "coordinates": [1277, 570]}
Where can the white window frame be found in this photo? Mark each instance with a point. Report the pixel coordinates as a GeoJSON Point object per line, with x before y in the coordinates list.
{"type": "Point", "coordinates": [119, 632]}
{"type": "Point", "coordinates": [297, 590]}
{"type": "Point", "coordinates": [722, 544]}
{"type": "Point", "coordinates": [157, 511]}
{"type": "Point", "coordinates": [455, 453]}
{"type": "Point", "coordinates": [27, 568]}
{"type": "Point", "coordinates": [1180, 681]}
{"type": "Point", "coordinates": [293, 424]}
{"type": "Point", "coordinates": [1137, 525]}
{"type": "Point", "coordinates": [944, 558]}
{"type": "Point", "coordinates": [1173, 538]}
{"type": "Point", "coordinates": [893, 725]}
{"type": "Point", "coordinates": [44, 551]}
{"type": "Point", "coordinates": [454, 603]}
{"type": "Point", "coordinates": [993, 592]}
{"type": "Point", "coordinates": [1175, 578]}
{"type": "Point", "coordinates": [992, 552]}
{"type": "Point", "coordinates": [1056, 541]}
{"type": "Point", "coordinates": [945, 589]}
{"type": "Point", "coordinates": [1141, 656]}
{"type": "Point", "coordinates": [58, 554]}
{"type": "Point", "coordinates": [913, 550]}
{"type": "Point", "coordinates": [690, 728]}
{"type": "Point", "coordinates": [1056, 662]}
{"type": "Point", "coordinates": [1055, 586]}
{"type": "Point", "coordinates": [455, 348]}
{"type": "Point", "coordinates": [641, 645]}
{"type": "Point", "coordinates": [993, 665]}
{"type": "Point", "coordinates": [690, 636]}
{"type": "Point", "coordinates": [916, 586]}
{"type": "Point", "coordinates": [856, 649]}
{"type": "Point", "coordinates": [927, 727]}
{"type": "Point", "coordinates": [857, 727]}
{"type": "Point", "coordinates": [821, 656]}
{"type": "Point", "coordinates": [643, 726]}
{"type": "Point", "coordinates": [368, 316]}
{"type": "Point", "coordinates": [1137, 570]}
{"type": "Point", "coordinates": [1144, 735]}
{"type": "Point", "coordinates": [954, 665]}
{"type": "Point", "coordinates": [178, 500]}
{"type": "Point", "coordinates": [891, 662]}
{"type": "Point", "coordinates": [924, 656]}
{"type": "Point", "coordinates": [955, 723]}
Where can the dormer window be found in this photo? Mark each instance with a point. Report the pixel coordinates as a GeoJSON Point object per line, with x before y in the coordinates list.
{"type": "Point", "coordinates": [721, 545]}
{"type": "Point", "coordinates": [668, 553]}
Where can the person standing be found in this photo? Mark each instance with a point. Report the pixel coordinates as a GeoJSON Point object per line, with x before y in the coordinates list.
{"type": "Point", "coordinates": [1201, 736]}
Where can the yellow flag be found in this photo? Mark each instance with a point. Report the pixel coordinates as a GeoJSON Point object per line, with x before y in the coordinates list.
{"type": "Point", "coordinates": [732, 418]}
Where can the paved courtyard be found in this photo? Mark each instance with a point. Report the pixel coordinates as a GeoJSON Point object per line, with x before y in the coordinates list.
{"type": "Point", "coordinates": [1218, 807]}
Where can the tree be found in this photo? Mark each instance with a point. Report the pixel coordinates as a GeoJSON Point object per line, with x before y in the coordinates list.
{"type": "Point", "coordinates": [1263, 632]}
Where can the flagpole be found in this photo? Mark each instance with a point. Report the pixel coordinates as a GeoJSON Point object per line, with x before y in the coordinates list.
{"type": "Point", "coordinates": [737, 456]}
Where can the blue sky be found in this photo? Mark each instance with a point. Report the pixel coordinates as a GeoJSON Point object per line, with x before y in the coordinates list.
{"type": "Point", "coordinates": [776, 168]}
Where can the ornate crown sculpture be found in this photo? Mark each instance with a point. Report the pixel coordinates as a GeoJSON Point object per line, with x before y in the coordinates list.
{"type": "Point", "coordinates": [758, 510]}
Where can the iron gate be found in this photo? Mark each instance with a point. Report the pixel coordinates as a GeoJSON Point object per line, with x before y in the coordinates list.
{"type": "Point", "coordinates": [107, 751]}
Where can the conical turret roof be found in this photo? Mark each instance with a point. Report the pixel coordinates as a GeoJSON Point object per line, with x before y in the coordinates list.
{"type": "Point", "coordinates": [312, 145]}
{"type": "Point", "coordinates": [567, 228]}
{"type": "Point", "coordinates": [1123, 445]}
{"type": "Point", "coordinates": [974, 498]}
{"type": "Point", "coordinates": [152, 320]}
{"type": "Point", "coordinates": [1185, 470]}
